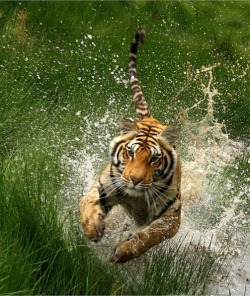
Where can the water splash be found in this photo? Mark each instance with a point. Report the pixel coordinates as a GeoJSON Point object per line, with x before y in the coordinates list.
{"type": "Point", "coordinates": [206, 152]}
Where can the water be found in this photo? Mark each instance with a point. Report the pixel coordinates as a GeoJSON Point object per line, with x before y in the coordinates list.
{"type": "Point", "coordinates": [203, 166]}
{"type": "Point", "coordinates": [206, 151]}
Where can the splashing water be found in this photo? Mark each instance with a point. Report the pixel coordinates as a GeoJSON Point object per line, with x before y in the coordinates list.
{"type": "Point", "coordinates": [205, 152]}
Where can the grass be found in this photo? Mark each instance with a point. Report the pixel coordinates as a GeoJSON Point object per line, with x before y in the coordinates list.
{"type": "Point", "coordinates": [63, 68]}
{"type": "Point", "coordinates": [37, 256]}
{"type": "Point", "coordinates": [179, 268]}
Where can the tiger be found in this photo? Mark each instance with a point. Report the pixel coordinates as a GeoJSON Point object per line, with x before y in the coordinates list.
{"type": "Point", "coordinates": [143, 176]}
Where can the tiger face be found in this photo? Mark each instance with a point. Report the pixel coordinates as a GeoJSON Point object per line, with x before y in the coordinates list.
{"type": "Point", "coordinates": [141, 163]}
{"type": "Point", "coordinates": [143, 157]}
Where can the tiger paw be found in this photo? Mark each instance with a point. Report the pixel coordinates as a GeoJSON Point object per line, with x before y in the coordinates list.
{"type": "Point", "coordinates": [94, 225]}
{"type": "Point", "coordinates": [127, 250]}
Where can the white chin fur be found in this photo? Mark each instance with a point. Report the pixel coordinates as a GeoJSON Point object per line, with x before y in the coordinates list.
{"type": "Point", "coordinates": [134, 192]}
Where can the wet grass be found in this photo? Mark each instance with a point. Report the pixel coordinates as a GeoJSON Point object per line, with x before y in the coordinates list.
{"type": "Point", "coordinates": [179, 268]}
{"type": "Point", "coordinates": [41, 251]}
{"type": "Point", "coordinates": [234, 191]}
{"type": "Point", "coordinates": [62, 66]}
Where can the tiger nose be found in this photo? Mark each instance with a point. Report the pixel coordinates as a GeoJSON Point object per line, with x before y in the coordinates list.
{"type": "Point", "coordinates": [136, 180]}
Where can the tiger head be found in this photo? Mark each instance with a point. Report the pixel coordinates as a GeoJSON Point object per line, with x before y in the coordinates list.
{"type": "Point", "coordinates": [143, 157]}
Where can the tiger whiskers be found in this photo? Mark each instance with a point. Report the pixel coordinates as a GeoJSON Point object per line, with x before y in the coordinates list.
{"type": "Point", "coordinates": [115, 185]}
{"type": "Point", "coordinates": [154, 193]}
{"type": "Point", "coordinates": [148, 198]}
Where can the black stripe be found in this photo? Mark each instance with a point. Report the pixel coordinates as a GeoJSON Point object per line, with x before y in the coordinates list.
{"type": "Point", "coordinates": [170, 153]}
{"type": "Point", "coordinates": [144, 129]}
{"type": "Point", "coordinates": [116, 145]}
{"type": "Point", "coordinates": [117, 190]}
{"type": "Point", "coordinates": [155, 130]}
{"type": "Point", "coordinates": [146, 125]}
{"type": "Point", "coordinates": [167, 205]}
{"type": "Point", "coordinates": [171, 165]}
{"type": "Point", "coordinates": [135, 82]}
{"type": "Point", "coordinates": [118, 160]}
{"type": "Point", "coordinates": [138, 140]}
{"type": "Point", "coordinates": [132, 59]}
{"type": "Point", "coordinates": [103, 199]}
{"type": "Point", "coordinates": [133, 48]}
{"type": "Point", "coordinates": [136, 89]}
{"type": "Point", "coordinates": [140, 101]}
{"type": "Point", "coordinates": [140, 107]}
{"type": "Point", "coordinates": [151, 146]}
{"type": "Point", "coordinates": [132, 65]}
{"type": "Point", "coordinates": [133, 73]}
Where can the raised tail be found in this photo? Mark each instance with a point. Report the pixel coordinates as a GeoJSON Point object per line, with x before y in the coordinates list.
{"type": "Point", "coordinates": [141, 106]}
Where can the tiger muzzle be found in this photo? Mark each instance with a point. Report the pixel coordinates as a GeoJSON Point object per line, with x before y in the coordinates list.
{"type": "Point", "coordinates": [136, 180]}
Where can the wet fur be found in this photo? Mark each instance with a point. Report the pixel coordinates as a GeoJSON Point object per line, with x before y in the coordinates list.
{"type": "Point", "coordinates": [144, 176]}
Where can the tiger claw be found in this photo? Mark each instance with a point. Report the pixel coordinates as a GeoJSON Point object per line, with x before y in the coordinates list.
{"type": "Point", "coordinates": [113, 257]}
{"type": "Point", "coordinates": [123, 252]}
{"type": "Point", "coordinates": [94, 226]}
{"type": "Point", "coordinates": [98, 234]}
{"type": "Point", "coordinates": [116, 257]}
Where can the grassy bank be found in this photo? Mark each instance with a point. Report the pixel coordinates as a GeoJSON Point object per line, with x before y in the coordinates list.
{"type": "Point", "coordinates": [63, 67]}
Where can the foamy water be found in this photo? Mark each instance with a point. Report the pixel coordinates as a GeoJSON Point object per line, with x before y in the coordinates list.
{"type": "Point", "coordinates": [203, 168]}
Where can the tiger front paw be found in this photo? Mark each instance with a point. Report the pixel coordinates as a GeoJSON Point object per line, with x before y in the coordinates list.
{"type": "Point", "coordinates": [127, 250]}
{"type": "Point", "coordinates": [94, 225]}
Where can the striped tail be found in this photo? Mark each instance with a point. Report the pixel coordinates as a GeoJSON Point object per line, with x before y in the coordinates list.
{"type": "Point", "coordinates": [141, 106]}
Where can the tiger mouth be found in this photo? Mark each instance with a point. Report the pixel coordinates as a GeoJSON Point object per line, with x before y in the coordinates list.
{"type": "Point", "coordinates": [138, 187]}
{"type": "Point", "coordinates": [135, 192]}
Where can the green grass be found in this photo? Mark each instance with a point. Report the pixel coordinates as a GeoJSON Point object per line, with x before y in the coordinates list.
{"type": "Point", "coordinates": [38, 256]}
{"type": "Point", "coordinates": [177, 268]}
{"type": "Point", "coordinates": [59, 58]}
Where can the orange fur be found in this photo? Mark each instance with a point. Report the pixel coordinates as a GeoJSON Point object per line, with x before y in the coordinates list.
{"type": "Point", "coordinates": [144, 176]}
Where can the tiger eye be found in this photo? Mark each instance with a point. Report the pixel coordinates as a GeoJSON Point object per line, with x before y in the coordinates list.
{"type": "Point", "coordinates": [130, 153]}
{"type": "Point", "coordinates": [154, 159]}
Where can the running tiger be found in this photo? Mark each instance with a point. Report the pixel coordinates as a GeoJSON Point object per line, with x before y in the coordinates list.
{"type": "Point", "coordinates": [144, 176]}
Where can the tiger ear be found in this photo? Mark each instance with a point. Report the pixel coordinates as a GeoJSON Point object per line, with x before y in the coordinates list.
{"type": "Point", "coordinates": [127, 125]}
{"type": "Point", "coordinates": [171, 134]}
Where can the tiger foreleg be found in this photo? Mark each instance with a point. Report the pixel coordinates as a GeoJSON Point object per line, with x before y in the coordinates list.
{"type": "Point", "coordinates": [159, 230]}
{"type": "Point", "coordinates": [92, 214]}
